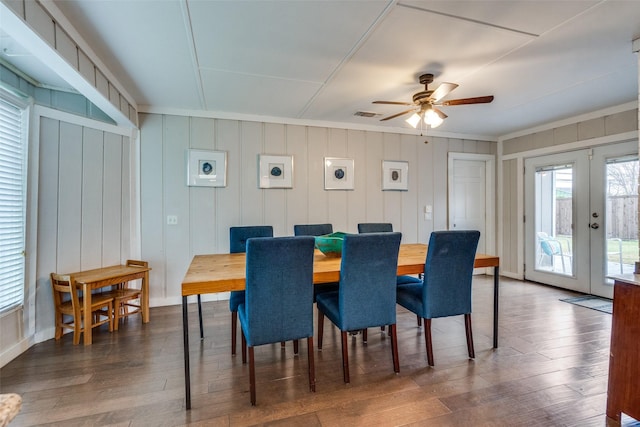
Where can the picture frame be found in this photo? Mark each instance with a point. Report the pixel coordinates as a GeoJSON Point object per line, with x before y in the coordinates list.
{"type": "Point", "coordinates": [206, 168]}
{"type": "Point", "coordinates": [275, 171]}
{"type": "Point", "coordinates": [395, 175]}
{"type": "Point", "coordinates": [338, 173]}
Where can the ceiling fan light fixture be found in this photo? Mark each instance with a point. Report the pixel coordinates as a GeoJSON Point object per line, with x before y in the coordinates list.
{"type": "Point", "coordinates": [432, 119]}
{"type": "Point", "coordinates": [414, 120]}
{"type": "Point", "coordinates": [425, 102]}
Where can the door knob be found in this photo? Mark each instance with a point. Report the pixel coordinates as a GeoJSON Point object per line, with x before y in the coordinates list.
{"type": "Point", "coordinates": [595, 225]}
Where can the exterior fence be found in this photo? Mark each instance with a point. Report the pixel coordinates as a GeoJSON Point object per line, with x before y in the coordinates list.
{"type": "Point", "coordinates": [622, 217]}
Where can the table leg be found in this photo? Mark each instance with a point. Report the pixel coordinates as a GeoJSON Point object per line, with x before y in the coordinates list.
{"type": "Point", "coordinates": [87, 317]}
{"type": "Point", "coordinates": [145, 298]}
{"type": "Point", "coordinates": [200, 317]}
{"type": "Point", "coordinates": [185, 333]}
{"type": "Point", "coordinates": [496, 283]}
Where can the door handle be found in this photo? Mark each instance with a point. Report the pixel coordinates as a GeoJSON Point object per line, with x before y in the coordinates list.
{"type": "Point", "coordinates": [595, 225]}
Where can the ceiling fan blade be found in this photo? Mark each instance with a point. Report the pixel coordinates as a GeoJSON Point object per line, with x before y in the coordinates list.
{"type": "Point", "coordinates": [440, 113]}
{"type": "Point", "coordinates": [397, 115]}
{"type": "Point", "coordinates": [465, 101]}
{"type": "Point", "coordinates": [441, 91]}
{"type": "Point", "coordinates": [392, 103]}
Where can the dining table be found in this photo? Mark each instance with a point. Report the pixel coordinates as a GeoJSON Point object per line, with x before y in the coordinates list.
{"type": "Point", "coordinates": [214, 273]}
{"type": "Point", "coordinates": [89, 280]}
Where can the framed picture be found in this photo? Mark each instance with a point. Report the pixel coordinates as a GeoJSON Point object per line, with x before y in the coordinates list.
{"type": "Point", "coordinates": [395, 175]}
{"type": "Point", "coordinates": [275, 171]}
{"type": "Point", "coordinates": [206, 168]}
{"type": "Point", "coordinates": [338, 174]}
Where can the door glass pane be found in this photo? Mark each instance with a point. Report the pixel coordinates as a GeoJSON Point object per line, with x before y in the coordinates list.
{"type": "Point", "coordinates": [554, 219]}
{"type": "Point", "coordinates": [621, 215]}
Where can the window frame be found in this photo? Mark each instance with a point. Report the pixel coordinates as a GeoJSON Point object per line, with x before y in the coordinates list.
{"type": "Point", "coordinates": [22, 103]}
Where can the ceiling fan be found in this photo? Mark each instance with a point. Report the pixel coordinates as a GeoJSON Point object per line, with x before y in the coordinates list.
{"type": "Point", "coordinates": [425, 102]}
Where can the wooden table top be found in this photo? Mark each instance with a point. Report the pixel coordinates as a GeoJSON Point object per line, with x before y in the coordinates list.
{"type": "Point", "coordinates": [226, 272]}
{"type": "Point", "coordinates": [105, 274]}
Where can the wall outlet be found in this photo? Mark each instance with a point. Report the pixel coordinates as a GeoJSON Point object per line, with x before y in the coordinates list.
{"type": "Point", "coordinates": [172, 220]}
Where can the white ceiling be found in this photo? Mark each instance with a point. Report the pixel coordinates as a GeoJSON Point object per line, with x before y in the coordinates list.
{"type": "Point", "coordinates": [325, 60]}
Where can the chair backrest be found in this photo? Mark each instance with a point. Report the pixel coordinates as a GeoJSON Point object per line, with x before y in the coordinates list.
{"type": "Point", "coordinates": [62, 285]}
{"type": "Point", "coordinates": [448, 273]}
{"type": "Point", "coordinates": [367, 288]}
{"type": "Point", "coordinates": [312, 229]}
{"type": "Point", "coordinates": [375, 227]}
{"type": "Point", "coordinates": [137, 263]}
{"type": "Point", "coordinates": [238, 236]}
{"type": "Point", "coordinates": [279, 289]}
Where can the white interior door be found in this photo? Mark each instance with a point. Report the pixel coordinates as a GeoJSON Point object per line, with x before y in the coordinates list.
{"type": "Point", "coordinates": [581, 217]}
{"type": "Point", "coordinates": [471, 196]}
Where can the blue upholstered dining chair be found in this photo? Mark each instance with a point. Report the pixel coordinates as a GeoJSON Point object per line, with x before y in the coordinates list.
{"type": "Point", "coordinates": [366, 295]}
{"type": "Point", "coordinates": [238, 237]}
{"type": "Point", "coordinates": [446, 291]}
{"type": "Point", "coordinates": [237, 240]}
{"type": "Point", "coordinates": [316, 230]}
{"type": "Point", "coordinates": [279, 297]}
{"type": "Point", "coordinates": [386, 227]}
{"type": "Point", "coordinates": [375, 227]}
{"type": "Point", "coordinates": [312, 229]}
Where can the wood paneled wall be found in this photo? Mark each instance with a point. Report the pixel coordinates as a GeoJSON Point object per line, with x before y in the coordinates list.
{"type": "Point", "coordinates": [205, 214]}
{"type": "Point", "coordinates": [83, 204]}
{"type": "Point", "coordinates": [510, 217]}
{"type": "Point", "coordinates": [606, 125]}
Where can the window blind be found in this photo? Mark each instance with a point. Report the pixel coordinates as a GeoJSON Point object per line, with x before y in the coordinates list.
{"type": "Point", "coordinates": [12, 206]}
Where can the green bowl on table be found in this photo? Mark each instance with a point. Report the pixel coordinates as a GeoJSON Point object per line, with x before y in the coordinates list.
{"type": "Point", "coordinates": [331, 244]}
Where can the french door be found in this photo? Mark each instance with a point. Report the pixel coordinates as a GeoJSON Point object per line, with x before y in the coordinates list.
{"type": "Point", "coordinates": [581, 217]}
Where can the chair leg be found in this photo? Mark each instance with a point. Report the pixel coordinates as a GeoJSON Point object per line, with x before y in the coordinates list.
{"type": "Point", "coordinates": [116, 315]}
{"type": "Point", "coordinates": [59, 320]}
{"type": "Point", "coordinates": [295, 346]}
{"type": "Point", "coordinates": [394, 348]}
{"type": "Point", "coordinates": [252, 377]}
{"type": "Point", "coordinates": [200, 318]}
{"type": "Point", "coordinates": [345, 357]}
{"type": "Point", "coordinates": [234, 327]}
{"type": "Point", "coordinates": [77, 330]}
{"type": "Point", "coordinates": [312, 366]}
{"type": "Point", "coordinates": [320, 328]}
{"type": "Point", "coordinates": [467, 325]}
{"type": "Point", "coordinates": [427, 338]}
{"type": "Point", "coordinates": [111, 310]}
{"type": "Point", "coordinates": [244, 348]}
{"type": "Point", "coordinates": [282, 344]}
{"type": "Point", "coordinates": [419, 320]}
{"type": "Point", "coordinates": [364, 335]}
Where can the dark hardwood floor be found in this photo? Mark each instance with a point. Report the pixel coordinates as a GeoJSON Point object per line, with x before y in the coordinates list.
{"type": "Point", "coordinates": [550, 370]}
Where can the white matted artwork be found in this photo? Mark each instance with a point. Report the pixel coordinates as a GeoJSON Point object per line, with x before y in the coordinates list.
{"type": "Point", "coordinates": [395, 175]}
{"type": "Point", "coordinates": [275, 171]}
{"type": "Point", "coordinates": [206, 168]}
{"type": "Point", "coordinates": [338, 174]}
